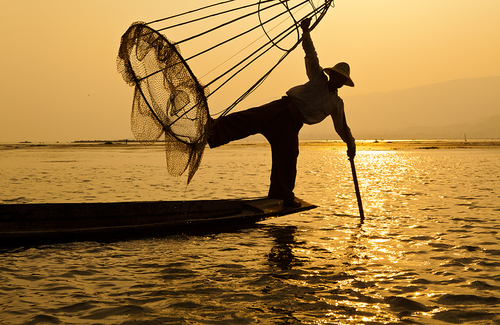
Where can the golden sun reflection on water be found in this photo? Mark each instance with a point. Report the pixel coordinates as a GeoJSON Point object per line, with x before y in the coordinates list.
{"type": "Point", "coordinates": [427, 252]}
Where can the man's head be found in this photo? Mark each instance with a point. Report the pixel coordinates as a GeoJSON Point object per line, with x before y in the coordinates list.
{"type": "Point", "coordinates": [340, 75]}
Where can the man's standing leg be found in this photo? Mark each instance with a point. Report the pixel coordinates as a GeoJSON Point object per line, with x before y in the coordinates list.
{"type": "Point", "coordinates": [284, 139]}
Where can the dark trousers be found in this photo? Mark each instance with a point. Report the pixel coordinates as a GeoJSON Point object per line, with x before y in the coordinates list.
{"type": "Point", "coordinates": [280, 122]}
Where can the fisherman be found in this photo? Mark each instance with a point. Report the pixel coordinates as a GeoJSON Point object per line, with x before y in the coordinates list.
{"type": "Point", "coordinates": [281, 120]}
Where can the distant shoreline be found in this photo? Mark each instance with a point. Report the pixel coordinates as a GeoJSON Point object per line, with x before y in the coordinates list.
{"type": "Point", "coordinates": [363, 145]}
{"type": "Point", "coordinates": [371, 145]}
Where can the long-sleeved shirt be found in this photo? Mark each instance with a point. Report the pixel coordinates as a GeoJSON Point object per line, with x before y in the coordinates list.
{"type": "Point", "coordinates": [314, 98]}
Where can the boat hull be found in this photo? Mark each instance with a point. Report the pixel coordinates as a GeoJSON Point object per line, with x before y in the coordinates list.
{"type": "Point", "coordinates": [32, 224]}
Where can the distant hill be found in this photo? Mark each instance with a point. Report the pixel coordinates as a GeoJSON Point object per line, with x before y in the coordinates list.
{"type": "Point", "coordinates": [445, 110]}
{"type": "Point", "coordinates": [486, 129]}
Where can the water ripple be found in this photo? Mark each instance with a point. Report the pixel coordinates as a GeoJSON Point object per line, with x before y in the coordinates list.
{"type": "Point", "coordinates": [427, 253]}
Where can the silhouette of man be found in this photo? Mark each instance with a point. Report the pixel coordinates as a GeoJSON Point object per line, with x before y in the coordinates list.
{"type": "Point", "coordinates": [281, 120]}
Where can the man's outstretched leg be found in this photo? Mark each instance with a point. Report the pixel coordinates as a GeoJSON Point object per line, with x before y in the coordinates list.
{"type": "Point", "coordinates": [242, 124]}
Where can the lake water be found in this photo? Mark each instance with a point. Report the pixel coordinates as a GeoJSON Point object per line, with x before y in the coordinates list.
{"type": "Point", "coordinates": [427, 253]}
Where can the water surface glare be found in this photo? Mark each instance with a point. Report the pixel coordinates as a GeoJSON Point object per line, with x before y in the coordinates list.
{"type": "Point", "coordinates": [428, 252]}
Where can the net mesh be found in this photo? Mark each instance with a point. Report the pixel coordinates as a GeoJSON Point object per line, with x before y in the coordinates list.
{"type": "Point", "coordinates": [168, 99]}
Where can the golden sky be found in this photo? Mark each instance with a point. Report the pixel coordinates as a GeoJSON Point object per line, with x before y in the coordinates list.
{"type": "Point", "coordinates": [58, 58]}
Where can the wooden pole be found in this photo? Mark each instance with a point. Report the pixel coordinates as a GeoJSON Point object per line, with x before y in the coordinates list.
{"type": "Point", "coordinates": [358, 194]}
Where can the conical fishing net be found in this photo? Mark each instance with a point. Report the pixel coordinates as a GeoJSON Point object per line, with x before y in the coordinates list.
{"type": "Point", "coordinates": [225, 38]}
{"type": "Point", "coordinates": [168, 99]}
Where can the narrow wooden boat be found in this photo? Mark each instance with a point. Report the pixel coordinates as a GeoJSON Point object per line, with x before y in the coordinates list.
{"type": "Point", "coordinates": [32, 224]}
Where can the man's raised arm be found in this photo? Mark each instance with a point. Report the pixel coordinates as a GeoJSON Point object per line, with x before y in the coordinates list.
{"type": "Point", "coordinates": [312, 61]}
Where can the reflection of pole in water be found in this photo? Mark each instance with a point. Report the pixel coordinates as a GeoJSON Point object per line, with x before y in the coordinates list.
{"type": "Point", "coordinates": [354, 248]}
